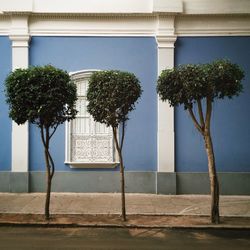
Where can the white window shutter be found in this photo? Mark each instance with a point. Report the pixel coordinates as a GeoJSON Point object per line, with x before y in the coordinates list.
{"type": "Point", "coordinates": [91, 142]}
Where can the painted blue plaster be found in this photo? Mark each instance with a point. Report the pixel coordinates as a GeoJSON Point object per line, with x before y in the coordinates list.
{"type": "Point", "coordinates": [5, 131]}
{"type": "Point", "coordinates": [231, 118]}
{"type": "Point", "coordinates": [137, 55]}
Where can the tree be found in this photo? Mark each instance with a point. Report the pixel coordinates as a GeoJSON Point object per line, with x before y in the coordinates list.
{"type": "Point", "coordinates": [44, 96]}
{"type": "Point", "coordinates": [201, 85]}
{"type": "Point", "coordinates": [112, 95]}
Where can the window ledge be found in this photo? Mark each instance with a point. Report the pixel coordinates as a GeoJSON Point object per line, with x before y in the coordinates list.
{"type": "Point", "coordinates": [92, 164]}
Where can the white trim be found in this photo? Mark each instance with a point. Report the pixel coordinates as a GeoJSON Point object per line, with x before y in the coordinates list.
{"type": "Point", "coordinates": [125, 25]}
{"type": "Point", "coordinates": [143, 26]}
{"type": "Point", "coordinates": [20, 56]}
{"type": "Point", "coordinates": [82, 73]}
{"type": "Point", "coordinates": [92, 165]}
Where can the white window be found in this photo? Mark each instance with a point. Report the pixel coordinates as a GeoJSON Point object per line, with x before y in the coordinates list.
{"type": "Point", "coordinates": [88, 143]}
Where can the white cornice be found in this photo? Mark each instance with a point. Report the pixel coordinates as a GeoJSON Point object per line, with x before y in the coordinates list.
{"type": "Point", "coordinates": [93, 6]}
{"type": "Point", "coordinates": [213, 25]}
{"type": "Point", "coordinates": [5, 23]}
{"type": "Point", "coordinates": [187, 7]}
{"type": "Point", "coordinates": [167, 6]}
{"type": "Point", "coordinates": [211, 7]}
{"type": "Point", "coordinates": [93, 26]}
{"type": "Point", "coordinates": [160, 18]}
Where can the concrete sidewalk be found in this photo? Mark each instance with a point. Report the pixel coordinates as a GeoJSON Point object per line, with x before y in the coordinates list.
{"type": "Point", "coordinates": [106, 203]}
{"type": "Point", "coordinates": [143, 210]}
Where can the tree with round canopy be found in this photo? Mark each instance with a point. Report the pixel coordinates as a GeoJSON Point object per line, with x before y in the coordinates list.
{"type": "Point", "coordinates": [112, 95]}
{"type": "Point", "coordinates": [201, 84]}
{"type": "Point", "coordinates": [44, 96]}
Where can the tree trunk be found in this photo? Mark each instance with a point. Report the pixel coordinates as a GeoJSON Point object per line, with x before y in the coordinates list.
{"type": "Point", "coordinates": [214, 185]}
{"type": "Point", "coordinates": [47, 202]}
{"type": "Point", "coordinates": [204, 129]}
{"type": "Point", "coordinates": [122, 179]}
{"type": "Point", "coordinates": [45, 140]}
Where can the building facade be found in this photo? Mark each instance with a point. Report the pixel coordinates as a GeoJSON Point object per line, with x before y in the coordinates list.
{"type": "Point", "coordinates": [163, 153]}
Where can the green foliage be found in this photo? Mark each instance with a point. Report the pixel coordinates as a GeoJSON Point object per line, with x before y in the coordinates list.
{"type": "Point", "coordinates": [188, 83]}
{"type": "Point", "coordinates": [112, 95]}
{"type": "Point", "coordinates": [44, 96]}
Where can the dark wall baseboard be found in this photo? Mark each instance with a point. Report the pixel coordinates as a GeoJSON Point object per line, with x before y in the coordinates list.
{"type": "Point", "coordinates": [136, 182]}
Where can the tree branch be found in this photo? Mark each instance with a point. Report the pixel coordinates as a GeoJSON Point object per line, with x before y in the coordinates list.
{"type": "Point", "coordinates": [42, 136]}
{"type": "Point", "coordinates": [123, 134]}
{"type": "Point", "coordinates": [202, 122]}
{"type": "Point", "coordinates": [54, 130]}
{"type": "Point", "coordinates": [52, 165]}
{"type": "Point", "coordinates": [116, 140]}
{"type": "Point", "coordinates": [208, 113]}
{"type": "Point", "coordinates": [197, 125]}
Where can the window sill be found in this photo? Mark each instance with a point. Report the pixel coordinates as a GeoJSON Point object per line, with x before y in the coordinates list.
{"type": "Point", "coordinates": [92, 164]}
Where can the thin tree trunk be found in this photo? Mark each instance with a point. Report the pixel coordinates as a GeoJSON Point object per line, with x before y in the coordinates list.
{"type": "Point", "coordinates": [122, 179]}
{"type": "Point", "coordinates": [47, 202]}
{"type": "Point", "coordinates": [45, 140]}
{"type": "Point", "coordinates": [204, 129]}
{"type": "Point", "coordinates": [214, 185]}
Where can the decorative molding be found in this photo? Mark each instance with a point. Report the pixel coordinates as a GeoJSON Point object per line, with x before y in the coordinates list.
{"type": "Point", "coordinates": [212, 25]}
{"type": "Point", "coordinates": [5, 23]}
{"type": "Point", "coordinates": [93, 26]}
{"type": "Point", "coordinates": [166, 41]}
{"type": "Point", "coordinates": [21, 41]}
{"type": "Point", "coordinates": [125, 25]}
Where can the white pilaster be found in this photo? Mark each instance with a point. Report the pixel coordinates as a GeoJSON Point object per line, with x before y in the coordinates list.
{"type": "Point", "coordinates": [165, 134]}
{"type": "Point", "coordinates": [20, 55]}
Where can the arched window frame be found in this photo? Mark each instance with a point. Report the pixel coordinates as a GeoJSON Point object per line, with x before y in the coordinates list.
{"type": "Point", "coordinates": [79, 77]}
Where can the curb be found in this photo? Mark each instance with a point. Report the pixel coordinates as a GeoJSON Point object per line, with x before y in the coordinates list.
{"type": "Point", "coordinates": [139, 226]}
{"type": "Point", "coordinates": [230, 222]}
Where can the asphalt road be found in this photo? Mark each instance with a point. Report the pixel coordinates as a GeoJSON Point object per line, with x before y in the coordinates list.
{"type": "Point", "coordinates": [121, 238]}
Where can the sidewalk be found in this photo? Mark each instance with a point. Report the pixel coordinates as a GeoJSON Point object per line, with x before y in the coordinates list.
{"type": "Point", "coordinates": [143, 210]}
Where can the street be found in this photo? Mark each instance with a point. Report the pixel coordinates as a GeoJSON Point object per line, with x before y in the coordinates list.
{"type": "Point", "coordinates": [121, 238]}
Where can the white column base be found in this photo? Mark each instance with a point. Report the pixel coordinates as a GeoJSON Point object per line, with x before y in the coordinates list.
{"type": "Point", "coordinates": [20, 147]}
{"type": "Point", "coordinates": [166, 162]}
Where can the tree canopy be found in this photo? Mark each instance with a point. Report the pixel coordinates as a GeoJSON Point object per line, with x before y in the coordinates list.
{"type": "Point", "coordinates": [187, 83]}
{"type": "Point", "coordinates": [112, 95]}
{"type": "Point", "coordinates": [42, 95]}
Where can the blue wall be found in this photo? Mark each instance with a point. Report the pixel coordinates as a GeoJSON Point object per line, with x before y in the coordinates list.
{"type": "Point", "coordinates": [137, 55]}
{"type": "Point", "coordinates": [231, 118]}
{"type": "Point", "coordinates": [5, 131]}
